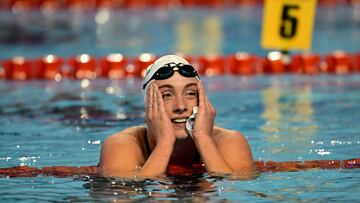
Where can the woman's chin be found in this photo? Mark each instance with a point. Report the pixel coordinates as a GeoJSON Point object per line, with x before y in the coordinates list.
{"type": "Point", "coordinates": [180, 131]}
{"type": "Point", "coordinates": [181, 134]}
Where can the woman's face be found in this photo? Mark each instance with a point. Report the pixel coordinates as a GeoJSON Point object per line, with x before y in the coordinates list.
{"type": "Point", "coordinates": [180, 95]}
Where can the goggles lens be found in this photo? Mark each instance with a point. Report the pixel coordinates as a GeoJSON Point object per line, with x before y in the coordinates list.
{"type": "Point", "coordinates": [168, 70]}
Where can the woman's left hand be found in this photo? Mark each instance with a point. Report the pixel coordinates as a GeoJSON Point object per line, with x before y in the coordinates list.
{"type": "Point", "coordinates": [204, 121]}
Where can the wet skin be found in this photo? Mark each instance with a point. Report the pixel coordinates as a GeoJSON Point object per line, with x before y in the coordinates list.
{"type": "Point", "coordinates": [169, 103]}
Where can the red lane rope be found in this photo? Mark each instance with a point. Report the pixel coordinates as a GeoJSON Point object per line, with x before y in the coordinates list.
{"type": "Point", "coordinates": [261, 166]}
{"type": "Point", "coordinates": [132, 4]}
{"type": "Point", "coordinates": [118, 66]}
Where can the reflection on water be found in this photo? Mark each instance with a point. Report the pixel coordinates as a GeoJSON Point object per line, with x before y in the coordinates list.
{"type": "Point", "coordinates": [288, 115]}
{"type": "Point", "coordinates": [173, 188]}
{"type": "Point", "coordinates": [73, 103]}
{"type": "Point", "coordinates": [192, 31]}
{"type": "Point", "coordinates": [204, 35]}
{"type": "Point", "coordinates": [62, 123]}
{"type": "Point", "coordinates": [36, 27]}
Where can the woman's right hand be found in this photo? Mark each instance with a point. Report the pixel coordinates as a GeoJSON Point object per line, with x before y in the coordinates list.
{"type": "Point", "coordinates": [157, 119]}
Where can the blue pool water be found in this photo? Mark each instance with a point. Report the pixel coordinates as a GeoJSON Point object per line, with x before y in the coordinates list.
{"type": "Point", "coordinates": [193, 31]}
{"type": "Point", "coordinates": [285, 118]}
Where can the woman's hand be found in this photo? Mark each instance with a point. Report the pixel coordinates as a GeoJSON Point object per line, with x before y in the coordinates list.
{"type": "Point", "coordinates": [204, 122]}
{"type": "Point", "coordinates": [157, 120]}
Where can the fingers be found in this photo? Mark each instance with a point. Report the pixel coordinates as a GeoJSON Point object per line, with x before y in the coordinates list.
{"type": "Point", "coordinates": [149, 100]}
{"type": "Point", "coordinates": [201, 93]}
{"type": "Point", "coordinates": [204, 102]}
{"type": "Point", "coordinates": [154, 102]}
{"type": "Point", "coordinates": [156, 98]}
{"type": "Point", "coordinates": [203, 99]}
{"type": "Point", "coordinates": [161, 111]}
{"type": "Point", "coordinates": [159, 100]}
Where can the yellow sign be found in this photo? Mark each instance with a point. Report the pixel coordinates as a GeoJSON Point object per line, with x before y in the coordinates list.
{"type": "Point", "coordinates": [288, 24]}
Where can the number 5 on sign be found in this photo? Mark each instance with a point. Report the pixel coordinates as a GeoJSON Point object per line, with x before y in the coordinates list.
{"type": "Point", "coordinates": [288, 24]}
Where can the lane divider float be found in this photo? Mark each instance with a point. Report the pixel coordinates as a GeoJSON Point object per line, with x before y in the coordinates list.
{"type": "Point", "coordinates": [86, 5]}
{"type": "Point", "coordinates": [261, 166]}
{"type": "Point", "coordinates": [118, 66]}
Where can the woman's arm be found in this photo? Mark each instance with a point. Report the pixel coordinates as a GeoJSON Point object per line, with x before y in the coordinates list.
{"type": "Point", "coordinates": [123, 157]}
{"type": "Point", "coordinates": [222, 151]}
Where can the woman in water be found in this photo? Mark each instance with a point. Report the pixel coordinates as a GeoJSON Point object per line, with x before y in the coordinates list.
{"type": "Point", "coordinates": [175, 131]}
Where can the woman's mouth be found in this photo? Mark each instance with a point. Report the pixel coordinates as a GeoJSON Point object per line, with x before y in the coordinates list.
{"type": "Point", "coordinates": [179, 120]}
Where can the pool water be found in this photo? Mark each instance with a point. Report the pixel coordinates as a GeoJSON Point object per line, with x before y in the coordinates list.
{"type": "Point", "coordinates": [193, 31]}
{"type": "Point", "coordinates": [285, 118]}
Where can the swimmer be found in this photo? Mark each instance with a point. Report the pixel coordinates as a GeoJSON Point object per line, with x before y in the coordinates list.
{"type": "Point", "coordinates": [175, 131]}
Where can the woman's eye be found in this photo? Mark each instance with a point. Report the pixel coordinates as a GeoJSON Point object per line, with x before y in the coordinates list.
{"type": "Point", "coordinates": [166, 95]}
{"type": "Point", "coordinates": [191, 94]}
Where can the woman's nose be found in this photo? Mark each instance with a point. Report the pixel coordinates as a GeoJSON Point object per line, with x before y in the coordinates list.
{"type": "Point", "coordinates": [179, 105]}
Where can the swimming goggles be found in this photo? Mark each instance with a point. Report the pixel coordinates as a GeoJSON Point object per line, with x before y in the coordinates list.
{"type": "Point", "coordinates": [169, 69]}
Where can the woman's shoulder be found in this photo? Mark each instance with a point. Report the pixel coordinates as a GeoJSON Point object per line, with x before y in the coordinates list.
{"type": "Point", "coordinates": [134, 133]}
{"type": "Point", "coordinates": [116, 148]}
{"type": "Point", "coordinates": [221, 134]}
